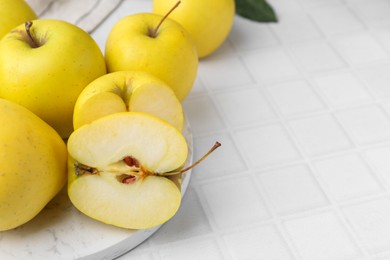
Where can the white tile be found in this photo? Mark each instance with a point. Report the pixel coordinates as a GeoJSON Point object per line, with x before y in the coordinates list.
{"type": "Point", "coordinates": [189, 221]}
{"type": "Point", "coordinates": [321, 237]}
{"type": "Point", "coordinates": [335, 19]}
{"type": "Point", "coordinates": [233, 202]}
{"type": "Point", "coordinates": [202, 115]}
{"type": "Point", "coordinates": [379, 159]}
{"type": "Point", "coordinates": [267, 146]}
{"type": "Point", "coordinates": [377, 78]}
{"type": "Point", "coordinates": [385, 257]}
{"type": "Point", "coordinates": [250, 35]}
{"type": "Point", "coordinates": [286, 6]}
{"type": "Point", "coordinates": [319, 135]}
{"type": "Point", "coordinates": [312, 3]}
{"type": "Point", "coordinates": [366, 124]}
{"type": "Point", "coordinates": [360, 48]}
{"type": "Point", "coordinates": [371, 222]}
{"type": "Point", "coordinates": [198, 89]}
{"type": "Point", "coordinates": [346, 177]}
{"type": "Point", "coordinates": [225, 49]}
{"type": "Point", "coordinates": [222, 71]}
{"type": "Point", "coordinates": [270, 65]}
{"type": "Point", "coordinates": [286, 28]}
{"type": "Point", "coordinates": [245, 106]}
{"type": "Point", "coordinates": [316, 56]}
{"type": "Point", "coordinates": [292, 189]}
{"type": "Point", "coordinates": [262, 242]}
{"type": "Point", "coordinates": [132, 256]}
{"type": "Point", "coordinates": [295, 97]}
{"type": "Point", "coordinates": [383, 37]}
{"type": "Point", "coordinates": [386, 106]}
{"type": "Point", "coordinates": [206, 248]}
{"type": "Point", "coordinates": [342, 89]}
{"type": "Point", "coordinates": [374, 13]}
{"type": "Point", "coordinates": [224, 161]}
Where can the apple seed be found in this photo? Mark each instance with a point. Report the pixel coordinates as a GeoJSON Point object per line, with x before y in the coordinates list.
{"type": "Point", "coordinates": [129, 179]}
{"type": "Point", "coordinates": [131, 161]}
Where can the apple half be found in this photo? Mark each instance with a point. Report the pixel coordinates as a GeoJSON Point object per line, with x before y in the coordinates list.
{"type": "Point", "coordinates": [122, 91]}
{"type": "Point", "coordinates": [119, 167]}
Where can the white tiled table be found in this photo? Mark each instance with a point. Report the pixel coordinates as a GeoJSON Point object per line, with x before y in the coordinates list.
{"type": "Point", "coordinates": [302, 109]}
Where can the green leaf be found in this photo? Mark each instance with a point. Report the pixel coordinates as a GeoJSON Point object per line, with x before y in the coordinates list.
{"type": "Point", "coordinates": [256, 10]}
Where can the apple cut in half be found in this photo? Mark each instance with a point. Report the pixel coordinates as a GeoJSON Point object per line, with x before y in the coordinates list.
{"type": "Point", "coordinates": [119, 167]}
{"type": "Point", "coordinates": [122, 91]}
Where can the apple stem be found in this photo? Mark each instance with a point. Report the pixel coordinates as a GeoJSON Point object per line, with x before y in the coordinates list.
{"type": "Point", "coordinates": [215, 146]}
{"type": "Point", "coordinates": [28, 26]}
{"type": "Point", "coordinates": [153, 32]}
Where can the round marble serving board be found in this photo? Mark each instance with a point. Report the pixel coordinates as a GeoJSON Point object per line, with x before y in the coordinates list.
{"type": "Point", "coordinates": [60, 231]}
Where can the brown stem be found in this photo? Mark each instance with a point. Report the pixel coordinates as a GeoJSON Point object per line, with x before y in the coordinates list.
{"type": "Point", "coordinates": [28, 26]}
{"type": "Point", "coordinates": [153, 32]}
{"type": "Point", "coordinates": [215, 146]}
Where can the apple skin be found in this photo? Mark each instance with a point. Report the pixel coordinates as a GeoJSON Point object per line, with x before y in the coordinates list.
{"type": "Point", "coordinates": [170, 56]}
{"type": "Point", "coordinates": [47, 80]}
{"type": "Point", "coordinates": [127, 91]}
{"type": "Point", "coordinates": [208, 22]}
{"type": "Point", "coordinates": [14, 13]}
{"type": "Point", "coordinates": [33, 165]}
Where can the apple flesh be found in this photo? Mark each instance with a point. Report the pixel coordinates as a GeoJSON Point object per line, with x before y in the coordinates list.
{"type": "Point", "coordinates": [118, 168]}
{"type": "Point", "coordinates": [128, 91]}
{"type": "Point", "coordinates": [168, 53]}
{"type": "Point", "coordinates": [32, 166]}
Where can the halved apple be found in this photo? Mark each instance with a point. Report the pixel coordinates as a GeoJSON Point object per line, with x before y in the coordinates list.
{"type": "Point", "coordinates": [128, 91]}
{"type": "Point", "coordinates": [118, 166]}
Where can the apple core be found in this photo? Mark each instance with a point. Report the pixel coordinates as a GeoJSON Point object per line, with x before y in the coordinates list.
{"type": "Point", "coordinates": [134, 170]}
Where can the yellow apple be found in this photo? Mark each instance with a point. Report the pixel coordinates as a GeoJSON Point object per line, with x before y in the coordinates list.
{"type": "Point", "coordinates": [44, 66]}
{"type": "Point", "coordinates": [165, 50]}
{"type": "Point", "coordinates": [127, 91]}
{"type": "Point", "coordinates": [32, 167]}
{"type": "Point", "coordinates": [117, 165]}
{"type": "Point", "coordinates": [14, 13]}
{"type": "Point", "coordinates": [208, 22]}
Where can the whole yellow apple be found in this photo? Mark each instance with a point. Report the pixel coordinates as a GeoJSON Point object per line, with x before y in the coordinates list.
{"type": "Point", "coordinates": [44, 66]}
{"type": "Point", "coordinates": [168, 53]}
{"type": "Point", "coordinates": [127, 91]}
{"type": "Point", "coordinates": [208, 21]}
{"type": "Point", "coordinates": [33, 165]}
{"type": "Point", "coordinates": [14, 13]}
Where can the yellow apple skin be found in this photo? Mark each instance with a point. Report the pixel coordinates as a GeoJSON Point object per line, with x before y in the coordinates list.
{"type": "Point", "coordinates": [14, 13]}
{"type": "Point", "coordinates": [122, 91]}
{"type": "Point", "coordinates": [47, 80]}
{"type": "Point", "coordinates": [208, 22]}
{"type": "Point", "coordinates": [170, 56]}
{"type": "Point", "coordinates": [33, 165]}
